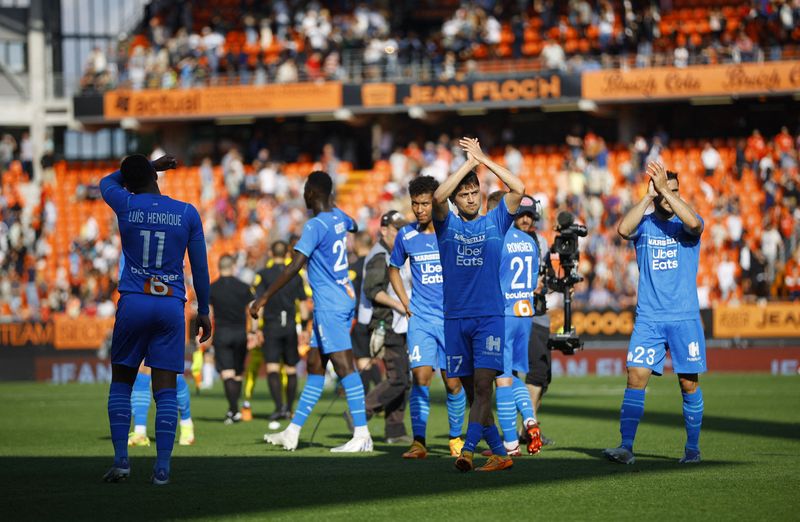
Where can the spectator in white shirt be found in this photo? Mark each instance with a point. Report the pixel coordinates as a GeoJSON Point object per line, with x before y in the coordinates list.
{"type": "Point", "coordinates": [710, 158]}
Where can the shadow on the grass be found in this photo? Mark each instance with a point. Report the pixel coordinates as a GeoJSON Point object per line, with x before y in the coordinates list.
{"type": "Point", "coordinates": [739, 426]}
{"type": "Point", "coordinates": [598, 453]}
{"type": "Point", "coordinates": [70, 488]}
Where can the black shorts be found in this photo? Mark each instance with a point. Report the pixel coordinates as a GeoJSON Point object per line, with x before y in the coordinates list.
{"type": "Point", "coordinates": [280, 344]}
{"type": "Point", "coordinates": [539, 359]}
{"type": "Point", "coordinates": [360, 336]}
{"type": "Point", "coordinates": [230, 349]}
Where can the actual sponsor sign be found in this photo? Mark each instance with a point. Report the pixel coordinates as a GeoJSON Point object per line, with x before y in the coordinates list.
{"type": "Point", "coordinates": [209, 102]}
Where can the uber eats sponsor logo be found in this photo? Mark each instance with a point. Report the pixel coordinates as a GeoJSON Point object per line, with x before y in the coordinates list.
{"type": "Point", "coordinates": [470, 250]}
{"type": "Point", "coordinates": [664, 253]}
{"type": "Point", "coordinates": [340, 228]}
{"type": "Point", "coordinates": [431, 273]}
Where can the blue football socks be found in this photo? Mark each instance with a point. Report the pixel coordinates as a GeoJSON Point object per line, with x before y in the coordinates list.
{"type": "Point", "coordinates": [119, 418]}
{"type": "Point", "coordinates": [354, 391]}
{"type": "Point", "coordinates": [308, 398]}
{"type": "Point", "coordinates": [184, 403]}
{"type": "Point", "coordinates": [166, 426]}
{"type": "Point", "coordinates": [629, 416]}
{"type": "Point", "coordinates": [419, 407]}
{"type": "Point", "coordinates": [522, 398]}
{"type": "Point", "coordinates": [506, 414]}
{"type": "Point", "coordinates": [693, 419]}
{"type": "Point", "coordinates": [456, 409]}
{"type": "Point", "coordinates": [474, 434]}
{"type": "Point", "coordinates": [140, 399]}
{"type": "Point", "coordinates": [492, 437]}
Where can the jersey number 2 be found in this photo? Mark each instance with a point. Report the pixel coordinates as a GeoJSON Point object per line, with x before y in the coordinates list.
{"type": "Point", "coordinates": [340, 248]}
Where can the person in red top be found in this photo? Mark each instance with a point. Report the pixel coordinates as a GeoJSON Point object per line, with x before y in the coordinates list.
{"type": "Point", "coordinates": [792, 279]}
{"type": "Point", "coordinates": [756, 149]}
{"type": "Point", "coordinates": [784, 140]}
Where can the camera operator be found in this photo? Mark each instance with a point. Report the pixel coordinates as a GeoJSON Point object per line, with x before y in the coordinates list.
{"type": "Point", "coordinates": [541, 342]}
{"type": "Point", "coordinates": [539, 359]}
{"type": "Point", "coordinates": [565, 246]}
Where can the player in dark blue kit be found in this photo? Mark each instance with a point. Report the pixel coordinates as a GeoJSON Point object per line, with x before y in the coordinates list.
{"type": "Point", "coordinates": [323, 245]}
{"type": "Point", "coordinates": [470, 246]}
{"type": "Point", "coordinates": [417, 243]}
{"type": "Point", "coordinates": [667, 245]}
{"type": "Point", "coordinates": [156, 232]}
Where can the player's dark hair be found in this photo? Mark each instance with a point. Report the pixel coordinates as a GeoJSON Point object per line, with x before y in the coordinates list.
{"type": "Point", "coordinates": [279, 248]}
{"type": "Point", "coordinates": [469, 180]}
{"type": "Point", "coordinates": [422, 185]}
{"type": "Point", "coordinates": [672, 175]}
{"type": "Point", "coordinates": [137, 172]}
{"type": "Point", "coordinates": [321, 181]}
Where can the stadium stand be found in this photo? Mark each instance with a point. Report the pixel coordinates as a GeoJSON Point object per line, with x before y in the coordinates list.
{"type": "Point", "coordinates": [182, 45]}
{"type": "Point", "coordinates": [58, 252]}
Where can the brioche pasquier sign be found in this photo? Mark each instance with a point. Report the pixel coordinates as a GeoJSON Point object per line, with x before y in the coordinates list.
{"type": "Point", "coordinates": [689, 82]}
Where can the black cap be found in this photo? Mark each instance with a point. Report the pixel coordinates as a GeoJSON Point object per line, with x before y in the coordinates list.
{"type": "Point", "coordinates": [528, 205]}
{"type": "Point", "coordinates": [393, 218]}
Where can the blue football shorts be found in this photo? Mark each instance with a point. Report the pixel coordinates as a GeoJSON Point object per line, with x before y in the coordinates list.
{"type": "Point", "coordinates": [685, 341]}
{"type": "Point", "coordinates": [473, 343]}
{"type": "Point", "coordinates": [151, 329]}
{"type": "Point", "coordinates": [515, 353]}
{"type": "Point", "coordinates": [332, 330]}
{"type": "Point", "coordinates": [426, 343]}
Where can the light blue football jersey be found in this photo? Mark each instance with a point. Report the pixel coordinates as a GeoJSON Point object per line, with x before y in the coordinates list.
{"type": "Point", "coordinates": [668, 258]}
{"type": "Point", "coordinates": [519, 272]}
{"type": "Point", "coordinates": [470, 255]}
{"type": "Point", "coordinates": [324, 243]}
{"type": "Point", "coordinates": [426, 270]}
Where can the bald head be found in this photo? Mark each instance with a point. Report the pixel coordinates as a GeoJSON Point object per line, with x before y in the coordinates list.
{"type": "Point", "coordinates": [226, 265]}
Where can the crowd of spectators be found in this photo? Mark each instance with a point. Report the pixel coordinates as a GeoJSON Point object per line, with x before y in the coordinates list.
{"type": "Point", "coordinates": [746, 190]}
{"type": "Point", "coordinates": [188, 44]}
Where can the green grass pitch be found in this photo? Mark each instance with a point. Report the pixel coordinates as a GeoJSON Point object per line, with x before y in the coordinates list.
{"type": "Point", "coordinates": [55, 447]}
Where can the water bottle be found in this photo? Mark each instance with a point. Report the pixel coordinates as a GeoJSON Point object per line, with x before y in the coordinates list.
{"type": "Point", "coordinates": [377, 339]}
